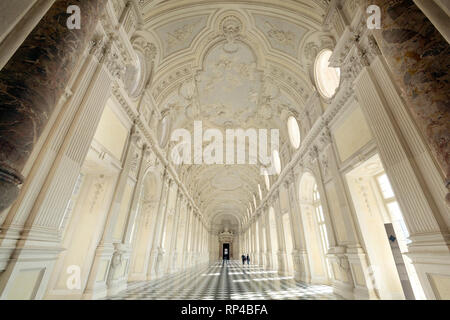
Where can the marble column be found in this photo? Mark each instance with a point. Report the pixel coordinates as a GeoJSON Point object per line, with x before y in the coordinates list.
{"type": "Point", "coordinates": [164, 194]}
{"type": "Point", "coordinates": [172, 255]}
{"type": "Point", "coordinates": [299, 254]}
{"type": "Point", "coordinates": [262, 259]}
{"type": "Point", "coordinates": [40, 223]}
{"type": "Point", "coordinates": [193, 241]}
{"type": "Point", "coordinates": [18, 21]}
{"type": "Point", "coordinates": [161, 240]}
{"type": "Point", "coordinates": [32, 83]}
{"type": "Point", "coordinates": [438, 13]}
{"type": "Point", "coordinates": [281, 254]}
{"type": "Point", "coordinates": [200, 243]}
{"type": "Point", "coordinates": [249, 240]}
{"type": "Point", "coordinates": [131, 226]}
{"type": "Point", "coordinates": [187, 231]}
{"type": "Point", "coordinates": [269, 255]}
{"type": "Point", "coordinates": [428, 232]}
{"type": "Point", "coordinates": [254, 254]}
{"type": "Point", "coordinates": [418, 57]}
{"type": "Point", "coordinates": [198, 239]}
{"type": "Point", "coordinates": [247, 247]}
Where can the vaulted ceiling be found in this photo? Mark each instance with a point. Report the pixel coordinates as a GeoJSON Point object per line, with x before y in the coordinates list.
{"type": "Point", "coordinates": [232, 64]}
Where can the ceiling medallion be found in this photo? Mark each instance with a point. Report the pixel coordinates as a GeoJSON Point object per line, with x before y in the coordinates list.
{"type": "Point", "coordinates": [231, 27]}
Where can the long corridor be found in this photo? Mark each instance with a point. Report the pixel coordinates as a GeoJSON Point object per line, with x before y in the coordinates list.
{"type": "Point", "coordinates": [143, 141]}
{"type": "Point", "coordinates": [230, 281]}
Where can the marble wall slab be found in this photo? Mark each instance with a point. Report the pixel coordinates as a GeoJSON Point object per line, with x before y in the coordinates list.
{"type": "Point", "coordinates": [419, 58]}
{"type": "Point", "coordinates": [33, 81]}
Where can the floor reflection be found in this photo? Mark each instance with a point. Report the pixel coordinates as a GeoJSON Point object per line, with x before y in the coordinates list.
{"type": "Point", "coordinates": [231, 281]}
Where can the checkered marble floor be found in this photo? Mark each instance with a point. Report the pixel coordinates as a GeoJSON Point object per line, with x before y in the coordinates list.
{"type": "Point", "coordinates": [231, 281]}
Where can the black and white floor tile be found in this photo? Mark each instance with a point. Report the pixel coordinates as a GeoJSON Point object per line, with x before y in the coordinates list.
{"type": "Point", "coordinates": [231, 281]}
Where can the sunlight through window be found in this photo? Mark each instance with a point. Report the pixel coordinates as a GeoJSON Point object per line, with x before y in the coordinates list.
{"type": "Point", "coordinates": [327, 78]}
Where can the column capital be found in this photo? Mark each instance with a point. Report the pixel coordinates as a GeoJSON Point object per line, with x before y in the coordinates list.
{"type": "Point", "coordinates": [97, 47]}
{"type": "Point", "coordinates": [136, 136]}
{"type": "Point", "coordinates": [289, 179]}
{"type": "Point", "coordinates": [354, 64]}
{"type": "Point", "coordinates": [324, 138]}
{"type": "Point", "coordinates": [313, 153]}
{"type": "Point", "coordinates": [147, 150]}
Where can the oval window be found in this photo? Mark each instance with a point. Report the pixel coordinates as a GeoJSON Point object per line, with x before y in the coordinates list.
{"type": "Point", "coordinates": [327, 78]}
{"type": "Point", "coordinates": [294, 132]}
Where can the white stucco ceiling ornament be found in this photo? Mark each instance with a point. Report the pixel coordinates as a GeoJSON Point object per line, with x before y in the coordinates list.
{"type": "Point", "coordinates": [231, 27]}
{"type": "Point", "coordinates": [231, 65]}
{"type": "Point", "coordinates": [188, 92]}
{"type": "Point", "coordinates": [282, 35]}
{"type": "Point", "coordinates": [148, 48]}
{"type": "Point", "coordinates": [271, 90]}
{"type": "Point", "coordinates": [229, 86]}
{"type": "Point", "coordinates": [178, 34]}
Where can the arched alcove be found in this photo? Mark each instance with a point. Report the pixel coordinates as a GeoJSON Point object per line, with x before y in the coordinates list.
{"type": "Point", "coordinates": [315, 229]}
{"type": "Point", "coordinates": [143, 228]}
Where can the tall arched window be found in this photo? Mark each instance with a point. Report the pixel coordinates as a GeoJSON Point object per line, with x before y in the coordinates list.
{"type": "Point", "coordinates": [316, 235]}
{"type": "Point", "coordinates": [320, 219]}
{"type": "Point", "coordinates": [164, 131]}
{"type": "Point", "coordinates": [135, 76]}
{"type": "Point", "coordinates": [294, 132]}
{"type": "Point", "coordinates": [276, 161]}
{"type": "Point", "coordinates": [266, 179]}
{"type": "Point", "coordinates": [327, 78]}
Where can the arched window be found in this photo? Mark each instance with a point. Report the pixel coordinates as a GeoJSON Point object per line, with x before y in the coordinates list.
{"type": "Point", "coordinates": [315, 227]}
{"type": "Point", "coordinates": [276, 161]}
{"type": "Point", "coordinates": [327, 78]}
{"type": "Point", "coordinates": [294, 132]}
{"type": "Point", "coordinates": [266, 179]}
{"type": "Point", "coordinates": [320, 219]}
{"type": "Point", "coordinates": [259, 192]}
{"type": "Point", "coordinates": [164, 131]}
{"type": "Point", "coordinates": [135, 76]}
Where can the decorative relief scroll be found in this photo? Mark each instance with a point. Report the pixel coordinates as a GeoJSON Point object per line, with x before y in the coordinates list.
{"type": "Point", "coordinates": [281, 34]}
{"type": "Point", "coordinates": [178, 35]}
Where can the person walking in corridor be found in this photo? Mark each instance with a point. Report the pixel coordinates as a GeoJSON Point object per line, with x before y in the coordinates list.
{"type": "Point", "coordinates": [248, 259]}
{"type": "Point", "coordinates": [243, 259]}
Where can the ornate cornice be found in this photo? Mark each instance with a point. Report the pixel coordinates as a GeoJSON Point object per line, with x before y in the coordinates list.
{"type": "Point", "coordinates": [152, 143]}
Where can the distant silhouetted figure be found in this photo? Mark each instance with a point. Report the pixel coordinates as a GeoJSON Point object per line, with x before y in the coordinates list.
{"type": "Point", "coordinates": [248, 259]}
{"type": "Point", "coordinates": [243, 259]}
